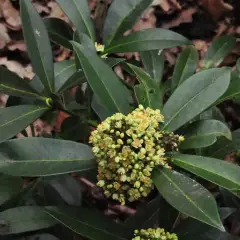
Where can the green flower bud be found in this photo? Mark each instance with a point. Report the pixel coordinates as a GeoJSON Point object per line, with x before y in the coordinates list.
{"type": "Point", "coordinates": [127, 149]}
{"type": "Point", "coordinates": [154, 234]}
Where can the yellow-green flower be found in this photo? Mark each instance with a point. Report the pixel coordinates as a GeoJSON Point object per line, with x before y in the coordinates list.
{"type": "Point", "coordinates": [154, 234]}
{"type": "Point", "coordinates": [127, 149]}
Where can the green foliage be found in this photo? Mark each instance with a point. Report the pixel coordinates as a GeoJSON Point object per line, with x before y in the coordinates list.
{"type": "Point", "coordinates": [47, 167]}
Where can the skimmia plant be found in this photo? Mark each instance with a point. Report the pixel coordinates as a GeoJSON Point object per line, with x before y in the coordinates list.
{"type": "Point", "coordinates": [154, 145]}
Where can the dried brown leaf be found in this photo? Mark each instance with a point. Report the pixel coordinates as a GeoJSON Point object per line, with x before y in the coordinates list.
{"type": "Point", "coordinates": [17, 45]}
{"type": "Point", "coordinates": [19, 69]}
{"type": "Point", "coordinates": [184, 17]}
{"type": "Point", "coordinates": [10, 14]}
{"type": "Point", "coordinates": [4, 37]}
{"type": "Point", "coordinates": [216, 8]}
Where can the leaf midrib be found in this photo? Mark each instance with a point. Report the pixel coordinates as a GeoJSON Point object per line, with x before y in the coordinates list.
{"type": "Point", "coordinates": [113, 35]}
{"type": "Point", "coordinates": [136, 41]}
{"type": "Point", "coordinates": [19, 90]}
{"type": "Point", "coordinates": [81, 222]}
{"type": "Point", "coordinates": [188, 102]}
{"type": "Point", "coordinates": [37, 50]}
{"type": "Point", "coordinates": [83, 19]}
{"type": "Point", "coordinates": [210, 60]}
{"type": "Point", "coordinates": [189, 199]}
{"type": "Point", "coordinates": [108, 91]}
{"type": "Point", "coordinates": [63, 70]}
{"type": "Point", "coordinates": [24, 115]}
{"type": "Point", "coordinates": [206, 170]}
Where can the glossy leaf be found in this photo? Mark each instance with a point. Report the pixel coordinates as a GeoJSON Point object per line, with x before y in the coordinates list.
{"type": "Point", "coordinates": [223, 147]}
{"type": "Point", "coordinates": [219, 49]}
{"type": "Point", "coordinates": [187, 196]}
{"type": "Point", "coordinates": [150, 93]}
{"type": "Point", "coordinates": [121, 16]}
{"type": "Point", "coordinates": [38, 44]}
{"type": "Point", "coordinates": [24, 219]}
{"type": "Point", "coordinates": [149, 39]}
{"type": "Point", "coordinates": [153, 62]}
{"type": "Point", "coordinates": [47, 157]}
{"type": "Point", "coordinates": [14, 119]}
{"type": "Point", "coordinates": [195, 95]}
{"type": "Point", "coordinates": [9, 187]}
{"type": "Point", "coordinates": [185, 67]}
{"type": "Point", "coordinates": [155, 213]}
{"type": "Point", "coordinates": [190, 229]}
{"type": "Point", "coordinates": [12, 84]}
{"type": "Point", "coordinates": [67, 188]}
{"type": "Point", "coordinates": [233, 89]}
{"type": "Point", "coordinates": [204, 133]}
{"type": "Point", "coordinates": [79, 14]}
{"type": "Point", "coordinates": [222, 173]}
{"type": "Point", "coordinates": [103, 81]}
{"type": "Point", "coordinates": [87, 223]}
{"type": "Point", "coordinates": [59, 31]}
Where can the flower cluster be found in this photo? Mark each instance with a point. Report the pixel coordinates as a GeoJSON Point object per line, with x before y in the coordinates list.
{"type": "Point", "coordinates": [154, 234]}
{"type": "Point", "coordinates": [127, 149]}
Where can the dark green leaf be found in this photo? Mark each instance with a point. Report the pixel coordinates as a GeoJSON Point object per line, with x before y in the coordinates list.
{"type": "Point", "coordinates": [145, 214]}
{"type": "Point", "coordinates": [222, 173]}
{"type": "Point", "coordinates": [233, 89]}
{"type": "Point", "coordinates": [212, 113]}
{"type": "Point", "coordinates": [36, 84]}
{"type": "Point", "coordinates": [99, 109]}
{"type": "Point", "coordinates": [149, 39]}
{"type": "Point", "coordinates": [187, 196]}
{"type": "Point", "coordinates": [9, 187]}
{"type": "Point", "coordinates": [219, 49]}
{"type": "Point", "coordinates": [103, 81]}
{"type": "Point", "coordinates": [204, 133]}
{"type": "Point", "coordinates": [155, 213]}
{"type": "Point", "coordinates": [88, 223]}
{"type": "Point", "coordinates": [38, 44]}
{"type": "Point", "coordinates": [63, 71]}
{"type": "Point", "coordinates": [112, 62]}
{"type": "Point", "coordinates": [14, 119]}
{"type": "Point", "coordinates": [68, 188]}
{"type": "Point", "coordinates": [185, 67]}
{"type": "Point", "coordinates": [121, 16]}
{"type": "Point", "coordinates": [74, 129]}
{"type": "Point", "coordinates": [59, 31]}
{"type": "Point", "coordinates": [150, 95]}
{"type": "Point", "coordinates": [191, 229]}
{"type": "Point", "coordinates": [12, 84]}
{"type": "Point", "coordinates": [153, 62]}
{"type": "Point", "coordinates": [238, 65]}
{"type": "Point", "coordinates": [66, 75]}
{"type": "Point", "coordinates": [229, 199]}
{"type": "Point", "coordinates": [223, 147]}
{"type": "Point", "coordinates": [47, 157]}
{"type": "Point", "coordinates": [39, 237]}
{"type": "Point", "coordinates": [79, 14]}
{"type": "Point", "coordinates": [24, 219]}
{"type": "Point", "coordinates": [194, 95]}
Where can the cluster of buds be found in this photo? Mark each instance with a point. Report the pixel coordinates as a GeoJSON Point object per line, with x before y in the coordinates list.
{"type": "Point", "coordinates": [154, 234]}
{"type": "Point", "coordinates": [100, 49]}
{"type": "Point", "coordinates": [127, 149]}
